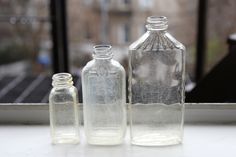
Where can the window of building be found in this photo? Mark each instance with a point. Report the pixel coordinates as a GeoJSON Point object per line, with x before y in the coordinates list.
{"type": "Point", "coordinates": [218, 30]}
{"type": "Point", "coordinates": [25, 44]}
{"type": "Point", "coordinates": [25, 51]}
{"type": "Point", "coordinates": [145, 4]}
{"type": "Point", "coordinates": [126, 1]}
{"type": "Point", "coordinates": [123, 33]}
{"type": "Point", "coordinates": [26, 39]}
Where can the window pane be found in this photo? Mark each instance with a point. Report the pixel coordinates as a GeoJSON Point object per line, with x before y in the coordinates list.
{"type": "Point", "coordinates": [221, 23]}
{"type": "Point", "coordinates": [25, 42]}
{"type": "Point", "coordinates": [121, 22]}
{"type": "Point", "coordinates": [25, 51]}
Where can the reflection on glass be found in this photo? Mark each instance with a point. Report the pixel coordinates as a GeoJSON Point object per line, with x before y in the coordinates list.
{"type": "Point", "coordinates": [103, 81]}
{"type": "Point", "coordinates": [156, 86]}
{"type": "Point", "coordinates": [25, 43]}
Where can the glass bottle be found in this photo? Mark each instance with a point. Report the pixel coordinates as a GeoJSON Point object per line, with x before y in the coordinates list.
{"type": "Point", "coordinates": [63, 101]}
{"type": "Point", "coordinates": [103, 83]}
{"type": "Point", "coordinates": [156, 86]}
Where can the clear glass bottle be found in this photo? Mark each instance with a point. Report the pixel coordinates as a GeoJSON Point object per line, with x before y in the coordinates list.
{"type": "Point", "coordinates": [63, 107]}
{"type": "Point", "coordinates": [103, 83]}
{"type": "Point", "coordinates": [156, 86]}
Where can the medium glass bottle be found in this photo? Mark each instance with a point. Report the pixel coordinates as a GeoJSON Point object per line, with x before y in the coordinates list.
{"type": "Point", "coordinates": [63, 101]}
{"type": "Point", "coordinates": [156, 86]}
{"type": "Point", "coordinates": [104, 101]}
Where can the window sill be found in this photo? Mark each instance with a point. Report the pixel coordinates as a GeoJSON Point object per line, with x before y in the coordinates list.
{"type": "Point", "coordinates": [194, 113]}
{"type": "Point", "coordinates": [199, 140]}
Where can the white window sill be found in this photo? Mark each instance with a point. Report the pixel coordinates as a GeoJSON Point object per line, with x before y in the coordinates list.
{"type": "Point", "coordinates": [199, 141]}
{"type": "Point", "coordinates": [194, 113]}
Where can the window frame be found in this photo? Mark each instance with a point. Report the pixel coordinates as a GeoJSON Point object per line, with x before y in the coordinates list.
{"type": "Point", "coordinates": [37, 113]}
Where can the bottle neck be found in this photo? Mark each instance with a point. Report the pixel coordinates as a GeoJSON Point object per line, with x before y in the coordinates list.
{"type": "Point", "coordinates": [62, 80]}
{"type": "Point", "coordinates": [157, 23]}
{"type": "Point", "coordinates": [102, 52]}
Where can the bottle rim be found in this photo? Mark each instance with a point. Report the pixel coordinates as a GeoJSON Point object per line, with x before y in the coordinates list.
{"type": "Point", "coordinates": [62, 79]}
{"type": "Point", "coordinates": [102, 51]}
{"type": "Point", "coordinates": [157, 23]}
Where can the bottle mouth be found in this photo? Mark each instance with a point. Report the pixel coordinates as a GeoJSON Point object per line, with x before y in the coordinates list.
{"type": "Point", "coordinates": [62, 79]}
{"type": "Point", "coordinates": [102, 51]}
{"type": "Point", "coordinates": [157, 23]}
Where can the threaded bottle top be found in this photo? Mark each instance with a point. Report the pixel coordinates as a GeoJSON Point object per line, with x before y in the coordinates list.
{"type": "Point", "coordinates": [157, 23]}
{"type": "Point", "coordinates": [61, 80]}
{"type": "Point", "coordinates": [102, 52]}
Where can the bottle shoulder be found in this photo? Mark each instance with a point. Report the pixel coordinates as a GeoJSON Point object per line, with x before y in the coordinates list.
{"type": "Point", "coordinates": [112, 65]}
{"type": "Point", "coordinates": [174, 41]}
{"type": "Point", "coordinates": [117, 65]}
{"type": "Point", "coordinates": [139, 41]}
{"type": "Point", "coordinates": [63, 95]}
{"type": "Point", "coordinates": [94, 67]}
{"type": "Point", "coordinates": [88, 66]}
{"type": "Point", "coordinates": [152, 41]}
{"type": "Point", "coordinates": [63, 90]}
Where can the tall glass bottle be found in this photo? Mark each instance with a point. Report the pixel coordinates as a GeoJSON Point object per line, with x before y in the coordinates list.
{"type": "Point", "coordinates": [103, 83]}
{"type": "Point", "coordinates": [63, 101]}
{"type": "Point", "coordinates": [156, 86]}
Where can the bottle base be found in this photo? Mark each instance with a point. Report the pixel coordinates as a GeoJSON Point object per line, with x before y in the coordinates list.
{"type": "Point", "coordinates": [104, 141]}
{"type": "Point", "coordinates": [105, 136]}
{"type": "Point", "coordinates": [155, 140]}
{"type": "Point", "coordinates": [66, 139]}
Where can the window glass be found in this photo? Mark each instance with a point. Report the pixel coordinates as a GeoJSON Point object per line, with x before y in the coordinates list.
{"type": "Point", "coordinates": [25, 51]}
{"type": "Point", "coordinates": [221, 22]}
{"type": "Point", "coordinates": [121, 22]}
{"type": "Point", "coordinates": [25, 42]}
{"type": "Point", "coordinates": [145, 4]}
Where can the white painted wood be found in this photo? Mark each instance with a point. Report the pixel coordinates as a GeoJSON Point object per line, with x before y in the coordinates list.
{"type": "Point", "coordinates": [199, 141]}
{"type": "Point", "coordinates": [194, 113]}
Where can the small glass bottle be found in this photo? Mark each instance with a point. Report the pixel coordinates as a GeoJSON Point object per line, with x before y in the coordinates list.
{"type": "Point", "coordinates": [156, 86]}
{"type": "Point", "coordinates": [104, 101]}
{"type": "Point", "coordinates": [63, 101]}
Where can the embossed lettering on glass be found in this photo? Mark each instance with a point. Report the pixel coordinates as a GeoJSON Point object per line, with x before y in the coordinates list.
{"type": "Point", "coordinates": [103, 81]}
{"type": "Point", "coordinates": [63, 101]}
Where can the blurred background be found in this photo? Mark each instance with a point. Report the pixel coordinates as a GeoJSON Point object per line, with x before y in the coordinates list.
{"type": "Point", "coordinates": [42, 37]}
